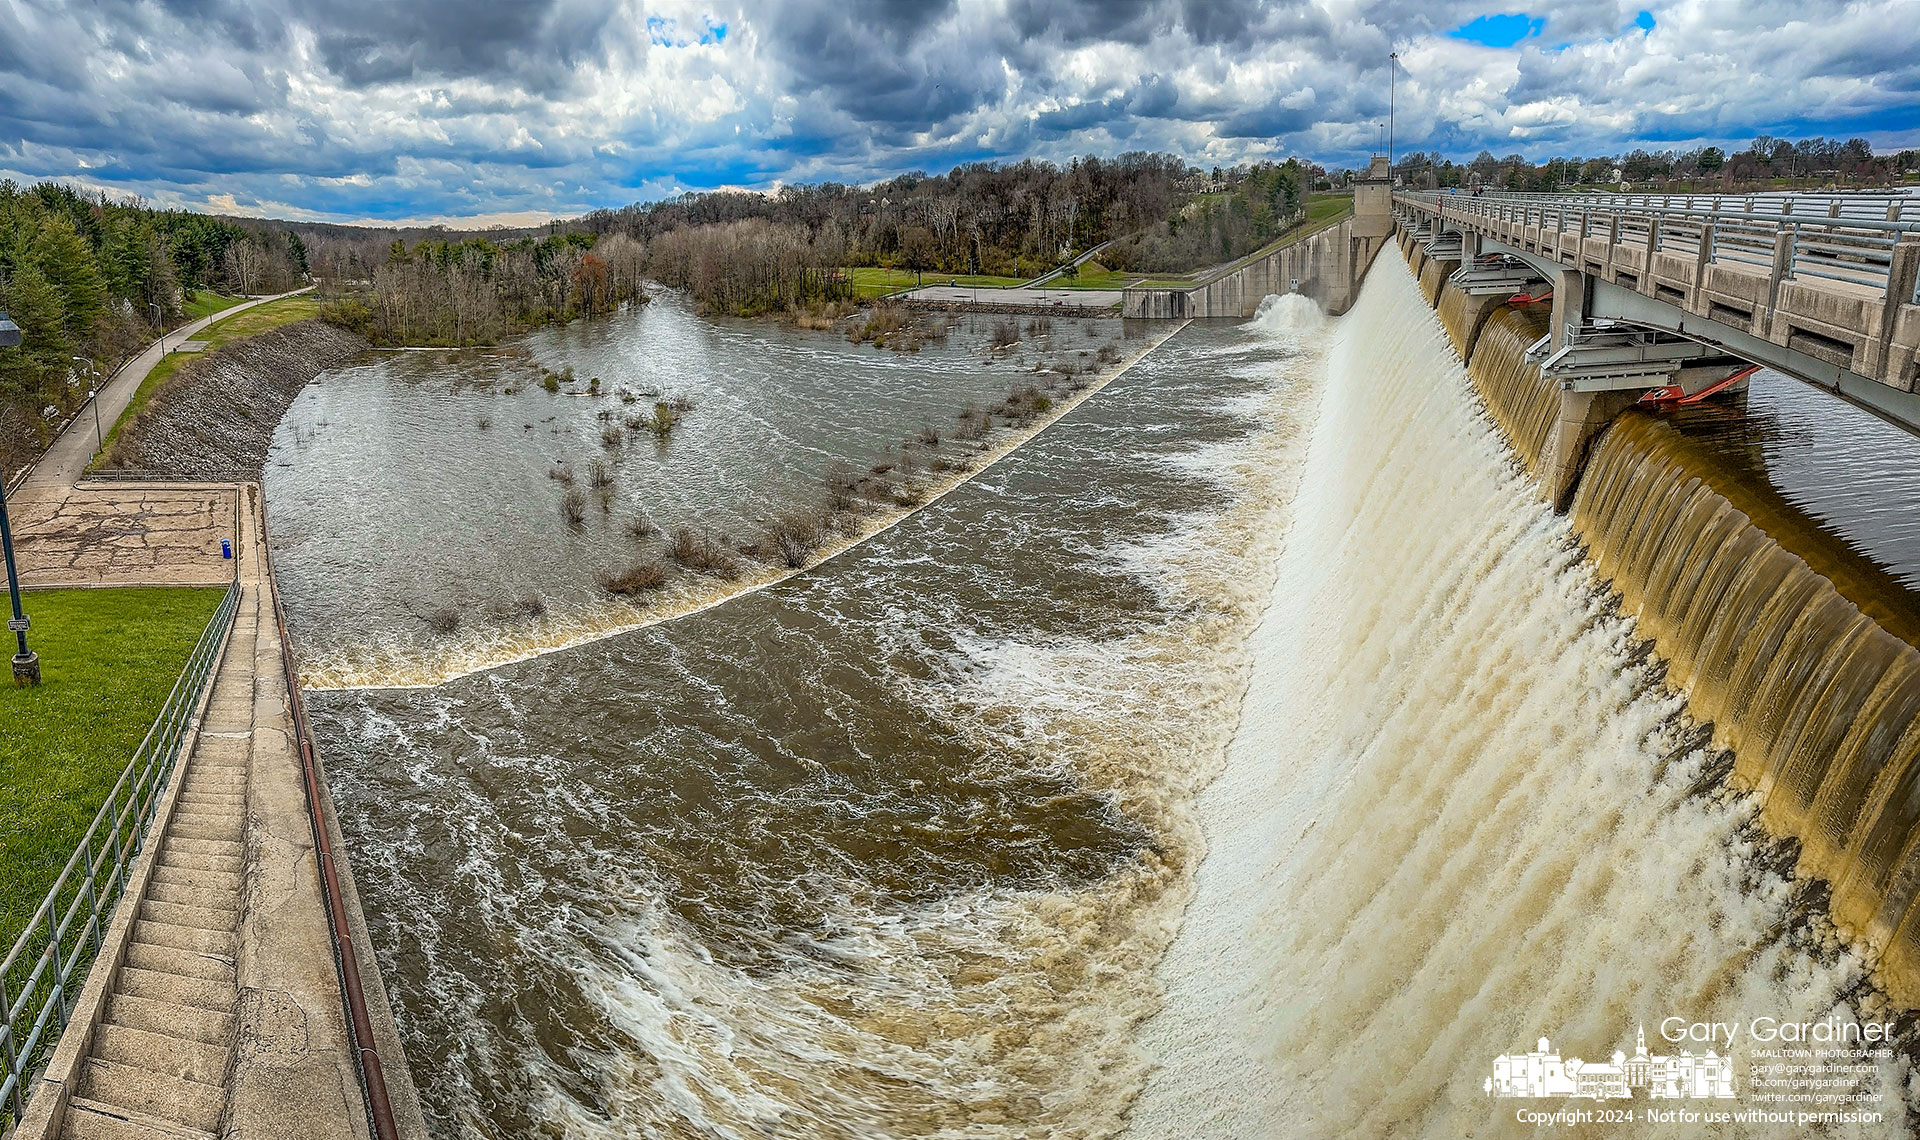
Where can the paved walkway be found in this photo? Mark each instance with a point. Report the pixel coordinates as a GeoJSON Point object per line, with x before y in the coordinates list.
{"type": "Point", "coordinates": [125, 534]}
{"type": "Point", "coordinates": [214, 1008]}
{"type": "Point", "coordinates": [66, 460]}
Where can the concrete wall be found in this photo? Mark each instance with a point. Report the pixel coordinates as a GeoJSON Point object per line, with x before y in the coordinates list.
{"type": "Point", "coordinates": [1327, 266]}
{"type": "Point", "coordinates": [1840, 334]}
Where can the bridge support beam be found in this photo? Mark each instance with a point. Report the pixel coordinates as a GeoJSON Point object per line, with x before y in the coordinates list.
{"type": "Point", "coordinates": [1571, 304]}
{"type": "Point", "coordinates": [1583, 415]}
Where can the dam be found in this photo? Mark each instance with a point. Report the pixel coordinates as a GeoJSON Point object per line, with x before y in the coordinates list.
{"type": "Point", "coordinates": [1256, 729]}
{"type": "Point", "coordinates": [1250, 745]}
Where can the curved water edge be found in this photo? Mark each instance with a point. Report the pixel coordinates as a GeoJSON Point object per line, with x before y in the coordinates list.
{"type": "Point", "coordinates": [887, 850]}
{"type": "Point", "coordinates": [416, 666]}
{"type": "Point", "coordinates": [1463, 810]}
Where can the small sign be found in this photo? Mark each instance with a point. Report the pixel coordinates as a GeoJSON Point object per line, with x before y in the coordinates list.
{"type": "Point", "coordinates": [19, 625]}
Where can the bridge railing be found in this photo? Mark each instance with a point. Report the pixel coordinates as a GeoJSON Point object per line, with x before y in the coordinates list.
{"type": "Point", "coordinates": [1835, 237]}
{"type": "Point", "coordinates": [1890, 205]}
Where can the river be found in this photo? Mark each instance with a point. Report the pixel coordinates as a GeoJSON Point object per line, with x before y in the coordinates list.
{"type": "Point", "coordinates": [1249, 753]}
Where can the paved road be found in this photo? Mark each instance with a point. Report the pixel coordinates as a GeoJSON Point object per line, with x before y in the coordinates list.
{"type": "Point", "coordinates": [65, 461]}
{"type": "Point", "coordinates": [1020, 295]}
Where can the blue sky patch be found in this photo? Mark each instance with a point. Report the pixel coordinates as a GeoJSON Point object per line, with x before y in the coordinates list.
{"type": "Point", "coordinates": [1501, 31]}
{"type": "Point", "coordinates": [1644, 21]}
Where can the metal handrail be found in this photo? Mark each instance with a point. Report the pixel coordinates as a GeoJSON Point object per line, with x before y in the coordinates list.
{"type": "Point", "coordinates": [50, 957]}
{"type": "Point", "coordinates": [1540, 206]}
{"type": "Point", "coordinates": [1833, 246]}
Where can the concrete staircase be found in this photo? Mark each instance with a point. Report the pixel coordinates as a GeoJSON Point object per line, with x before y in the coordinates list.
{"type": "Point", "coordinates": [159, 1061]}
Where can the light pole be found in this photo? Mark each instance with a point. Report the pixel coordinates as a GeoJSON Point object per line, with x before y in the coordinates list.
{"type": "Point", "coordinates": [26, 663]}
{"type": "Point", "coordinates": [1393, 73]}
{"type": "Point", "coordinates": [93, 397]}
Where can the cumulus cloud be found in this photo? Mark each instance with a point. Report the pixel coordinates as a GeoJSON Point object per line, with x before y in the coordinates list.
{"type": "Point", "coordinates": [459, 109]}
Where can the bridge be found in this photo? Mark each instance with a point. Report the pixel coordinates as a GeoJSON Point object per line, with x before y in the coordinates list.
{"type": "Point", "coordinates": [1677, 296]}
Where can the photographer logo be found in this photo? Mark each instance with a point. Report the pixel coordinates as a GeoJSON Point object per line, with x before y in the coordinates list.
{"type": "Point", "coordinates": [1543, 1073]}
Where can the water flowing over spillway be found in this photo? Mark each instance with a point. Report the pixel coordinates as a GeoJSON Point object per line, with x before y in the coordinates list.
{"type": "Point", "coordinates": [889, 849]}
{"type": "Point", "coordinates": [1461, 811]}
{"type": "Point", "coordinates": [1252, 753]}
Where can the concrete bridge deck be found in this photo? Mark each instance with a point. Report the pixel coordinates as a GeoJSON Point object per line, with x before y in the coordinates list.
{"type": "Point", "coordinates": [1823, 287]}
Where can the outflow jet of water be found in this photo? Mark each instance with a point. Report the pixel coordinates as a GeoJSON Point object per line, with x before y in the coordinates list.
{"type": "Point", "coordinates": [1461, 811]}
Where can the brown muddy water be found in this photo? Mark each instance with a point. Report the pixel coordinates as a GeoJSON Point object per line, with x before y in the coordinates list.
{"type": "Point", "coordinates": [887, 849]}
{"type": "Point", "coordinates": [1248, 754]}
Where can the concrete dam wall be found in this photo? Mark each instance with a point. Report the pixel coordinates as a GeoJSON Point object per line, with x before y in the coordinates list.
{"type": "Point", "coordinates": [1798, 653]}
{"type": "Point", "coordinates": [1327, 266]}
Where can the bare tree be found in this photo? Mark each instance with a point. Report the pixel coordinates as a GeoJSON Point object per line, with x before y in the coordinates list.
{"type": "Point", "coordinates": [245, 262]}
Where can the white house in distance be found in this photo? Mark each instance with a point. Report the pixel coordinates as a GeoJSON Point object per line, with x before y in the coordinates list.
{"type": "Point", "coordinates": [1542, 1073]}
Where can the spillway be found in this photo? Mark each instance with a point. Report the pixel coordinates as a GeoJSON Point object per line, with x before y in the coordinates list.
{"type": "Point", "coordinates": [1252, 753]}
{"type": "Point", "coordinates": [1464, 808]}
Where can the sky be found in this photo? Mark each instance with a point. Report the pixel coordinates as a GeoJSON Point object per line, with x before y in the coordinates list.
{"type": "Point", "coordinates": [518, 111]}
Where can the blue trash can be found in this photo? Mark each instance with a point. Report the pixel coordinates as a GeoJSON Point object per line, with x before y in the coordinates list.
{"type": "Point", "coordinates": [226, 548]}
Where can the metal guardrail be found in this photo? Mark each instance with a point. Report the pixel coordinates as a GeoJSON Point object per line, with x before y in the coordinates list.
{"type": "Point", "coordinates": [1848, 238]}
{"type": "Point", "coordinates": [366, 1051]}
{"type": "Point", "coordinates": [43, 972]}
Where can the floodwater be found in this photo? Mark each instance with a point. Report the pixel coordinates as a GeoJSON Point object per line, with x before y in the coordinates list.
{"type": "Point", "coordinates": [886, 849]}
{"type": "Point", "coordinates": [1250, 753]}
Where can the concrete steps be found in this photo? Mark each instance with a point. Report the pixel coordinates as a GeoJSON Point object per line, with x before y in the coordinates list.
{"type": "Point", "coordinates": [160, 1058]}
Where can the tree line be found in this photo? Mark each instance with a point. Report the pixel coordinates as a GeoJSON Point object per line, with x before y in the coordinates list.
{"type": "Point", "coordinates": [1239, 211]}
{"type": "Point", "coordinates": [476, 290]}
{"type": "Point", "coordinates": [90, 279]}
{"type": "Point", "coordinates": [742, 253]}
{"type": "Point", "coordinates": [1017, 219]}
{"type": "Point", "coordinates": [1814, 161]}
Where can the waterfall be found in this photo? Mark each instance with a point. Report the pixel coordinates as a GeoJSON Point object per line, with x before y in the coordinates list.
{"type": "Point", "coordinates": [1800, 669]}
{"type": "Point", "coordinates": [1433, 277]}
{"type": "Point", "coordinates": [1522, 403]}
{"type": "Point", "coordinates": [1461, 811]}
{"type": "Point", "coordinates": [1798, 653]}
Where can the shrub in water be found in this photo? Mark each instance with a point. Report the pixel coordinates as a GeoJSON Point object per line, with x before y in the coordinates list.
{"type": "Point", "coordinates": [640, 577]}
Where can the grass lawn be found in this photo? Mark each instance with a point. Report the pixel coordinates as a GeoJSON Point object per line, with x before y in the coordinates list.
{"type": "Point", "coordinates": [871, 281]}
{"type": "Point", "coordinates": [1320, 207]}
{"type": "Point", "coordinates": [205, 303]}
{"type": "Point", "coordinates": [259, 319]}
{"type": "Point", "coordinates": [108, 659]}
{"type": "Point", "coordinates": [1097, 279]}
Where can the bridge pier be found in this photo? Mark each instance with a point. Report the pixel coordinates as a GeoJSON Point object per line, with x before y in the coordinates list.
{"type": "Point", "coordinates": [1583, 416]}
{"type": "Point", "coordinates": [1572, 303]}
{"type": "Point", "coordinates": [1474, 311]}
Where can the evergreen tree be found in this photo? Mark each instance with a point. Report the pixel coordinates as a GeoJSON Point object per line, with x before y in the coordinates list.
{"type": "Point", "coordinates": [63, 255]}
{"type": "Point", "coordinates": [34, 372]}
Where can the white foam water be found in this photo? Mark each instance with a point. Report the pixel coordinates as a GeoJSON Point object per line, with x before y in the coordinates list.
{"type": "Point", "coordinates": [1286, 315]}
{"type": "Point", "coordinates": [1006, 1009]}
{"type": "Point", "coordinates": [1460, 812]}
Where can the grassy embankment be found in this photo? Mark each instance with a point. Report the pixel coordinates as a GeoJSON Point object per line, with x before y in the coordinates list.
{"type": "Point", "coordinates": [205, 303]}
{"type": "Point", "coordinates": [259, 319]}
{"type": "Point", "coordinates": [1323, 210]}
{"type": "Point", "coordinates": [872, 281]}
{"type": "Point", "coordinates": [108, 659]}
